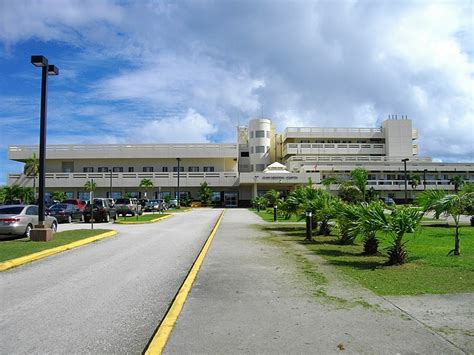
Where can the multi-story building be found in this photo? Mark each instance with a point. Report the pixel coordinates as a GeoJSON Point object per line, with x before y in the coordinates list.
{"type": "Point", "coordinates": [261, 160]}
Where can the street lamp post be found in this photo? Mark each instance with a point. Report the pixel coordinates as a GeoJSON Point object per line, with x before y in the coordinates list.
{"type": "Point", "coordinates": [424, 179]}
{"type": "Point", "coordinates": [110, 185]}
{"type": "Point", "coordinates": [42, 232]}
{"type": "Point", "coordinates": [406, 179]}
{"type": "Point", "coordinates": [178, 203]}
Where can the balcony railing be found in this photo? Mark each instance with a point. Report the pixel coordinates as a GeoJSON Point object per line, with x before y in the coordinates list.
{"type": "Point", "coordinates": [315, 132]}
{"type": "Point", "coordinates": [333, 148]}
{"type": "Point", "coordinates": [136, 151]}
{"type": "Point", "coordinates": [351, 159]}
{"type": "Point", "coordinates": [190, 179]}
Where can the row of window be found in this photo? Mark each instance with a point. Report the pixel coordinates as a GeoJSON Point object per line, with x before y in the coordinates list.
{"type": "Point", "coordinates": [260, 149]}
{"type": "Point", "coordinates": [359, 141]}
{"type": "Point", "coordinates": [146, 169]}
{"type": "Point", "coordinates": [260, 134]}
{"type": "Point", "coordinates": [85, 196]}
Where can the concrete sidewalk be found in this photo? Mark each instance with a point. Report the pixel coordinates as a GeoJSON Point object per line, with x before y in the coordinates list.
{"type": "Point", "coordinates": [248, 299]}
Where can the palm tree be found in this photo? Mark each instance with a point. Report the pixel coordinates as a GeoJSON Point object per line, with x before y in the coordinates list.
{"type": "Point", "coordinates": [31, 168]}
{"type": "Point", "coordinates": [402, 220]}
{"type": "Point", "coordinates": [359, 178]}
{"type": "Point", "coordinates": [11, 193]}
{"type": "Point", "coordinates": [453, 205]}
{"type": "Point", "coordinates": [146, 183]}
{"type": "Point", "coordinates": [457, 181]}
{"type": "Point", "coordinates": [272, 197]}
{"type": "Point", "coordinates": [90, 186]}
{"type": "Point", "coordinates": [347, 216]}
{"type": "Point", "coordinates": [368, 224]}
{"type": "Point", "coordinates": [415, 180]}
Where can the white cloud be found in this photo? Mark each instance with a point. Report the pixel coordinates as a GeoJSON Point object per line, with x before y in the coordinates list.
{"type": "Point", "coordinates": [192, 127]}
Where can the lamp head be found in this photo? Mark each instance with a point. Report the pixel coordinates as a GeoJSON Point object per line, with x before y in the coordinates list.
{"type": "Point", "coordinates": [53, 70]}
{"type": "Point", "coordinates": [39, 60]}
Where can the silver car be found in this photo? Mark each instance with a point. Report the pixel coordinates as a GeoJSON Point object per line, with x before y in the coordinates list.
{"type": "Point", "coordinates": [20, 219]}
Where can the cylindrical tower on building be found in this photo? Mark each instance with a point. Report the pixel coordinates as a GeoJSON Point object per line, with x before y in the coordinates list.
{"type": "Point", "coordinates": [260, 142]}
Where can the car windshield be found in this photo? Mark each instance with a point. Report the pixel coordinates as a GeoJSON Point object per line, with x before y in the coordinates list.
{"type": "Point", "coordinates": [58, 207]}
{"type": "Point", "coordinates": [122, 201]}
{"type": "Point", "coordinates": [70, 201]}
{"type": "Point", "coordinates": [11, 210]}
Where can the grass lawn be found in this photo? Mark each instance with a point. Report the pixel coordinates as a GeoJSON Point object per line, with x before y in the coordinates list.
{"type": "Point", "coordinates": [429, 269]}
{"type": "Point", "coordinates": [142, 218]}
{"type": "Point", "coordinates": [267, 216]}
{"type": "Point", "coordinates": [11, 249]}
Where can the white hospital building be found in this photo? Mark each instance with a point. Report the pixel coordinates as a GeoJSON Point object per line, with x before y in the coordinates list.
{"type": "Point", "coordinates": [238, 172]}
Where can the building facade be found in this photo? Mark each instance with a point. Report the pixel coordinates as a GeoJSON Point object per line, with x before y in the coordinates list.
{"type": "Point", "coordinates": [239, 172]}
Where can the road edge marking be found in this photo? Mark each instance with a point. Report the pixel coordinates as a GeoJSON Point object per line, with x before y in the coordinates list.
{"type": "Point", "coordinates": [8, 264]}
{"type": "Point", "coordinates": [145, 222]}
{"type": "Point", "coordinates": [161, 335]}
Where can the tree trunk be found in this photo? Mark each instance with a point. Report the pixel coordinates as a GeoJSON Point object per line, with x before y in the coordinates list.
{"type": "Point", "coordinates": [456, 242]}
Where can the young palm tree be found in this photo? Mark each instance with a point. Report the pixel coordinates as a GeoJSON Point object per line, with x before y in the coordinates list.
{"type": "Point", "coordinates": [453, 205]}
{"type": "Point", "coordinates": [371, 218]}
{"type": "Point", "coordinates": [272, 197]}
{"type": "Point", "coordinates": [402, 220]}
{"type": "Point", "coordinates": [31, 169]}
{"type": "Point", "coordinates": [90, 186]}
{"type": "Point", "coordinates": [347, 216]}
{"type": "Point", "coordinates": [415, 180]}
{"type": "Point", "coordinates": [11, 193]}
{"type": "Point", "coordinates": [146, 183]}
{"type": "Point", "coordinates": [457, 181]}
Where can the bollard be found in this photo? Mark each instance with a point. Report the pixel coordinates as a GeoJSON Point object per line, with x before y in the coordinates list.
{"type": "Point", "coordinates": [274, 213]}
{"type": "Point", "coordinates": [309, 226]}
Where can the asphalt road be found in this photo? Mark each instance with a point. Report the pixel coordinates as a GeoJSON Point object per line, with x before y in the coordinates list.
{"type": "Point", "coordinates": [107, 297]}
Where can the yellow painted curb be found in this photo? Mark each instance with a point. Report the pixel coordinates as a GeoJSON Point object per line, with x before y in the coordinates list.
{"type": "Point", "coordinates": [45, 253]}
{"type": "Point", "coordinates": [158, 342]}
{"type": "Point", "coordinates": [145, 222]}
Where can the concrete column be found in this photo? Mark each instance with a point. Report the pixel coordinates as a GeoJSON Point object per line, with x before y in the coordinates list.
{"type": "Point", "coordinates": [254, 190]}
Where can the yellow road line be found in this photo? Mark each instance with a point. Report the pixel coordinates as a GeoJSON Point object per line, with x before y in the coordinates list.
{"type": "Point", "coordinates": [45, 253]}
{"type": "Point", "coordinates": [145, 222]}
{"type": "Point", "coordinates": [158, 342]}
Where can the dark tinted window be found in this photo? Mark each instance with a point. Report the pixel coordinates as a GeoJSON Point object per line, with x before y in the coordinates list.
{"type": "Point", "coordinates": [244, 154]}
{"type": "Point", "coordinates": [122, 201]}
{"type": "Point", "coordinates": [11, 210]}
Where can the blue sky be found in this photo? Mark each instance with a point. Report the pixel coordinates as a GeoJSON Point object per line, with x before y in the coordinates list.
{"type": "Point", "coordinates": [191, 71]}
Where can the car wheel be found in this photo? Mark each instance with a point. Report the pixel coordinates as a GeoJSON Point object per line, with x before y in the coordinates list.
{"type": "Point", "coordinates": [54, 226]}
{"type": "Point", "coordinates": [27, 234]}
{"type": "Point", "coordinates": [82, 218]}
{"type": "Point", "coordinates": [133, 214]}
{"type": "Point", "coordinates": [107, 218]}
{"type": "Point", "coordinates": [69, 219]}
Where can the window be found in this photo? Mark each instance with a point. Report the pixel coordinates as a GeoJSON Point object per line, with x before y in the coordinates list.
{"type": "Point", "coordinates": [259, 167]}
{"type": "Point", "coordinates": [251, 134]}
{"type": "Point", "coordinates": [251, 150]}
{"type": "Point", "coordinates": [193, 169]}
{"type": "Point", "coordinates": [84, 196]}
{"type": "Point", "coordinates": [103, 169]}
{"type": "Point", "coordinates": [244, 154]}
{"type": "Point", "coordinates": [88, 169]}
{"type": "Point", "coordinates": [216, 196]}
{"type": "Point", "coordinates": [268, 134]}
{"type": "Point", "coordinates": [70, 194]}
{"type": "Point", "coordinates": [147, 169]}
{"type": "Point", "coordinates": [32, 211]}
{"type": "Point", "coordinates": [175, 169]}
{"type": "Point", "coordinates": [260, 149]}
{"type": "Point", "coordinates": [131, 169]}
{"type": "Point", "coordinates": [259, 134]}
{"type": "Point", "coordinates": [251, 167]}
{"type": "Point", "coordinates": [208, 169]}
{"type": "Point", "coordinates": [117, 169]}
{"type": "Point", "coordinates": [164, 169]}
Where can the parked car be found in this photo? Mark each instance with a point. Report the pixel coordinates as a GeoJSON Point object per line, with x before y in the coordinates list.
{"type": "Point", "coordinates": [388, 201]}
{"type": "Point", "coordinates": [66, 212]}
{"type": "Point", "coordinates": [20, 219]}
{"type": "Point", "coordinates": [125, 206]}
{"type": "Point", "coordinates": [173, 203]}
{"type": "Point", "coordinates": [76, 202]}
{"type": "Point", "coordinates": [101, 210]}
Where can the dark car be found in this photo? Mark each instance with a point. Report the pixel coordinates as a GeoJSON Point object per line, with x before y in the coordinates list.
{"type": "Point", "coordinates": [75, 201]}
{"type": "Point", "coordinates": [66, 212]}
{"type": "Point", "coordinates": [103, 211]}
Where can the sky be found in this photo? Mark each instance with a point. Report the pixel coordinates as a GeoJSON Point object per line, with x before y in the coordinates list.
{"type": "Point", "coordinates": [192, 71]}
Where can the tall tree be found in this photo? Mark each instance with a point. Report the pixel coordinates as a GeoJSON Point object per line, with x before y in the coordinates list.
{"type": "Point", "coordinates": [205, 194]}
{"type": "Point", "coordinates": [415, 180]}
{"type": "Point", "coordinates": [457, 181]}
{"type": "Point", "coordinates": [359, 178]}
{"type": "Point", "coordinates": [146, 183]}
{"type": "Point", "coordinates": [31, 169]}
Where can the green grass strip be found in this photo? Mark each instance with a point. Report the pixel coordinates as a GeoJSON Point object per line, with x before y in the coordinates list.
{"type": "Point", "coordinates": [11, 249]}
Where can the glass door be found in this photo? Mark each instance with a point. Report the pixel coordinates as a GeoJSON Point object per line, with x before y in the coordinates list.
{"type": "Point", "coordinates": [231, 199]}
